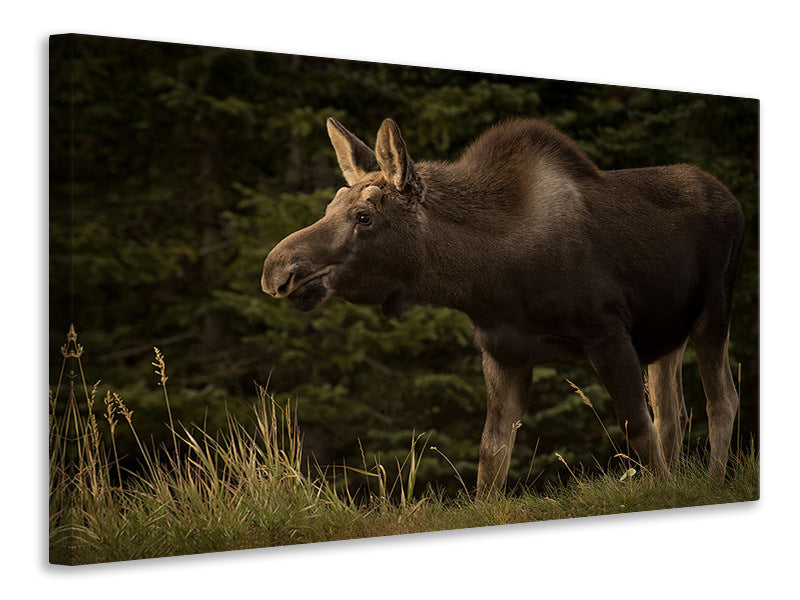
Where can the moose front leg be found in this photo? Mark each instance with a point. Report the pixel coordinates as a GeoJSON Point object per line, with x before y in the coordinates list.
{"type": "Point", "coordinates": [620, 371]}
{"type": "Point", "coordinates": [507, 394]}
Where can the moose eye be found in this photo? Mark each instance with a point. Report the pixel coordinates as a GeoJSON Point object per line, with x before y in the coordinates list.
{"type": "Point", "coordinates": [364, 218]}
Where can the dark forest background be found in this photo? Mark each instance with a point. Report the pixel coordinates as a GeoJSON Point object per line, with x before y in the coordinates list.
{"type": "Point", "coordinates": [175, 168]}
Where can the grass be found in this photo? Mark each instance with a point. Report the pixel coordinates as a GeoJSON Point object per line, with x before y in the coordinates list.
{"type": "Point", "coordinates": [252, 487]}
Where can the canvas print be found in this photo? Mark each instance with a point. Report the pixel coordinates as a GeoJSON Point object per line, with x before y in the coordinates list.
{"type": "Point", "coordinates": [298, 299]}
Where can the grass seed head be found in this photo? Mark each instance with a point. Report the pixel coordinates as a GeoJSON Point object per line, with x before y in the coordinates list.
{"type": "Point", "coordinates": [580, 393]}
{"type": "Point", "coordinates": [111, 410]}
{"type": "Point", "coordinates": [160, 365]}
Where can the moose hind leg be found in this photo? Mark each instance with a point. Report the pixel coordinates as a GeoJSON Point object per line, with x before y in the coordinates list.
{"type": "Point", "coordinates": [507, 393]}
{"type": "Point", "coordinates": [709, 337]}
{"type": "Point", "coordinates": [665, 385]}
{"type": "Point", "coordinates": [620, 371]}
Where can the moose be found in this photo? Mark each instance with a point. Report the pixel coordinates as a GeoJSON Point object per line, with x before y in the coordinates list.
{"type": "Point", "coordinates": [553, 260]}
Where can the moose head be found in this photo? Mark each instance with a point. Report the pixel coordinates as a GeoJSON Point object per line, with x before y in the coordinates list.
{"type": "Point", "coordinates": [367, 245]}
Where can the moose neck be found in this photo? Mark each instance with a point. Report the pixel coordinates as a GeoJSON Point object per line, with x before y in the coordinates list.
{"type": "Point", "coordinates": [463, 224]}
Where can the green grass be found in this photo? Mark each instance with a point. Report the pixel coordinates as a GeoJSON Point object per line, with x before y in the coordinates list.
{"type": "Point", "coordinates": [252, 487]}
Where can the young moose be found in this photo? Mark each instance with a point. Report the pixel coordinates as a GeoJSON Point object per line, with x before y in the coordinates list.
{"type": "Point", "coordinates": [553, 260]}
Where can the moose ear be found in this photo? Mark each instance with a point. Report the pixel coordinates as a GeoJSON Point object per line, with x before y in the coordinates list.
{"type": "Point", "coordinates": [355, 158]}
{"type": "Point", "coordinates": [390, 149]}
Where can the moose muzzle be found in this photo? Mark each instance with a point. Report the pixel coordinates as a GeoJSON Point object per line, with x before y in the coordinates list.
{"type": "Point", "coordinates": [297, 266]}
{"type": "Point", "coordinates": [283, 280]}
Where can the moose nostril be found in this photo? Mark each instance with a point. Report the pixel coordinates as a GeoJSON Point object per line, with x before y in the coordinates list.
{"type": "Point", "coordinates": [282, 289]}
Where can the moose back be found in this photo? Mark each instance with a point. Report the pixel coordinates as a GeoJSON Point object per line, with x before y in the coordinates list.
{"type": "Point", "coordinates": [553, 260]}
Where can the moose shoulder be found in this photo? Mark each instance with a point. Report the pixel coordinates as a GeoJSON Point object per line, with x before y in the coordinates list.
{"type": "Point", "coordinates": [553, 260]}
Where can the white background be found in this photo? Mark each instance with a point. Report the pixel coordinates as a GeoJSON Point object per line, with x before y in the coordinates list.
{"type": "Point", "coordinates": [732, 48]}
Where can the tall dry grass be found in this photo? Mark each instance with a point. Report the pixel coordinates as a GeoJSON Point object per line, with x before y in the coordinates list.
{"type": "Point", "coordinates": [248, 486]}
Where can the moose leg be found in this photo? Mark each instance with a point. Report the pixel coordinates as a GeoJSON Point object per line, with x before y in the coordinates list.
{"type": "Point", "coordinates": [507, 394]}
{"type": "Point", "coordinates": [666, 397]}
{"type": "Point", "coordinates": [710, 340]}
{"type": "Point", "coordinates": [620, 371]}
